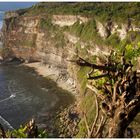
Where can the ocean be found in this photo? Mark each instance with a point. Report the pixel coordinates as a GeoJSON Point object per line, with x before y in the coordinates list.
{"type": "Point", "coordinates": [25, 95]}
{"type": "Point", "coordinates": [8, 6]}
{"type": "Point", "coordinates": [1, 18]}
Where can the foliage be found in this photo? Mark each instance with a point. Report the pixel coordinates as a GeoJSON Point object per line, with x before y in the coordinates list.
{"type": "Point", "coordinates": [77, 28]}
{"type": "Point", "coordinates": [59, 39]}
{"type": "Point", "coordinates": [104, 11]}
{"type": "Point", "coordinates": [53, 32]}
{"type": "Point", "coordinates": [29, 130]}
{"type": "Point", "coordinates": [113, 40]}
{"type": "Point", "coordinates": [82, 78]}
{"type": "Point", "coordinates": [86, 31]}
{"type": "Point", "coordinates": [88, 105]}
{"type": "Point", "coordinates": [45, 23]}
{"type": "Point", "coordinates": [20, 133]}
{"type": "Point", "coordinates": [132, 52]}
{"type": "Point", "coordinates": [115, 84]}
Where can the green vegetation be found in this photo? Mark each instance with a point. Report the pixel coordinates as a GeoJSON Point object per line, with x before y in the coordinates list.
{"type": "Point", "coordinates": [53, 32]}
{"type": "Point", "coordinates": [59, 39]}
{"type": "Point", "coordinates": [103, 11]}
{"type": "Point", "coordinates": [105, 80]}
{"type": "Point", "coordinates": [132, 52]}
{"type": "Point", "coordinates": [133, 37]}
{"type": "Point", "coordinates": [88, 107]}
{"type": "Point", "coordinates": [87, 101]}
{"type": "Point", "coordinates": [113, 40]}
{"type": "Point", "coordinates": [82, 78]}
{"type": "Point", "coordinates": [86, 31]}
{"type": "Point", "coordinates": [30, 130]}
{"type": "Point", "coordinates": [45, 24]}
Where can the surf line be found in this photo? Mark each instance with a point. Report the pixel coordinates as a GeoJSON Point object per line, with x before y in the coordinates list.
{"type": "Point", "coordinates": [11, 96]}
{"type": "Point", "coordinates": [6, 123]}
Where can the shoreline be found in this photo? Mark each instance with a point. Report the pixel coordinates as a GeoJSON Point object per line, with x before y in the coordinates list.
{"type": "Point", "coordinates": [55, 74]}
{"type": "Point", "coordinates": [63, 122]}
{"type": "Point", "coordinates": [67, 120]}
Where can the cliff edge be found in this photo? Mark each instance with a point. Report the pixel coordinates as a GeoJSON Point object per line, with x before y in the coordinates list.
{"type": "Point", "coordinates": [56, 33]}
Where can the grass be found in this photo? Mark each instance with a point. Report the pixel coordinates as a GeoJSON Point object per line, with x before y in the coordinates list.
{"type": "Point", "coordinates": [82, 77]}
{"type": "Point", "coordinates": [58, 36]}
{"type": "Point", "coordinates": [88, 106]}
{"type": "Point", "coordinates": [118, 12]}
{"type": "Point", "coordinates": [113, 40]}
{"type": "Point", "coordinates": [103, 11]}
{"type": "Point", "coordinates": [86, 31]}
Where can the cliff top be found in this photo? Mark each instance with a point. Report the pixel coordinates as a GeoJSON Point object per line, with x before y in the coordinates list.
{"type": "Point", "coordinates": [101, 10]}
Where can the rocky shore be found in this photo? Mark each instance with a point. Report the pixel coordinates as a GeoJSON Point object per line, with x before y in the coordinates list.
{"type": "Point", "coordinates": [58, 75]}
{"type": "Point", "coordinates": [68, 121]}
{"type": "Point", "coordinates": [63, 124]}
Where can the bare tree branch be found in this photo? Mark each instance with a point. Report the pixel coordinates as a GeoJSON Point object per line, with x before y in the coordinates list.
{"type": "Point", "coordinates": [82, 62]}
{"type": "Point", "coordinates": [86, 123]}
{"type": "Point", "coordinates": [98, 77]}
{"type": "Point", "coordinates": [99, 127]}
{"type": "Point", "coordinates": [114, 92]}
{"type": "Point", "coordinates": [97, 114]}
{"type": "Point", "coordinates": [96, 92]}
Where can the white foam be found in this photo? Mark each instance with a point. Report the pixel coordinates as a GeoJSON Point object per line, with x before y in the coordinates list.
{"type": "Point", "coordinates": [45, 89]}
{"type": "Point", "coordinates": [1, 12]}
{"type": "Point", "coordinates": [11, 96]}
{"type": "Point", "coordinates": [6, 123]}
{"type": "Point", "coordinates": [1, 24]}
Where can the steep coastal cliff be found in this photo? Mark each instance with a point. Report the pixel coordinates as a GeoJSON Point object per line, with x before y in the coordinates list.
{"type": "Point", "coordinates": [43, 34]}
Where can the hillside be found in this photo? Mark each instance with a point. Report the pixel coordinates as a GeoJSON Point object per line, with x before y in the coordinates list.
{"type": "Point", "coordinates": [58, 33]}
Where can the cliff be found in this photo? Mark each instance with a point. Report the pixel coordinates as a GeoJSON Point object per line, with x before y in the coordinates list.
{"type": "Point", "coordinates": [43, 34]}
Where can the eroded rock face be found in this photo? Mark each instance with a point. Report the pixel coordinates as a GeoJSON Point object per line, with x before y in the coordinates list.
{"type": "Point", "coordinates": [68, 20]}
{"type": "Point", "coordinates": [24, 38]}
{"type": "Point", "coordinates": [22, 34]}
{"type": "Point", "coordinates": [101, 30]}
{"type": "Point", "coordinates": [0, 36]}
{"type": "Point", "coordinates": [105, 30]}
{"type": "Point", "coordinates": [11, 14]}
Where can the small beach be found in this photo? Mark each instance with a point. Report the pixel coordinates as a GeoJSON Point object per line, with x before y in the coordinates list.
{"type": "Point", "coordinates": [54, 74]}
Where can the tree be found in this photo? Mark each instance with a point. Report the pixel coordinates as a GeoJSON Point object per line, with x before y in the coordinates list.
{"type": "Point", "coordinates": [115, 85]}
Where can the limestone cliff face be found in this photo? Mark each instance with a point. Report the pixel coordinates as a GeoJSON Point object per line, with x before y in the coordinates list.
{"type": "Point", "coordinates": [57, 40]}
{"type": "Point", "coordinates": [49, 39]}
{"type": "Point", "coordinates": [68, 20]}
{"type": "Point", "coordinates": [25, 39]}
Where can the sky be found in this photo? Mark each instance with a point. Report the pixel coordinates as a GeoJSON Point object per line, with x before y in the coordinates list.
{"type": "Point", "coordinates": [7, 6]}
